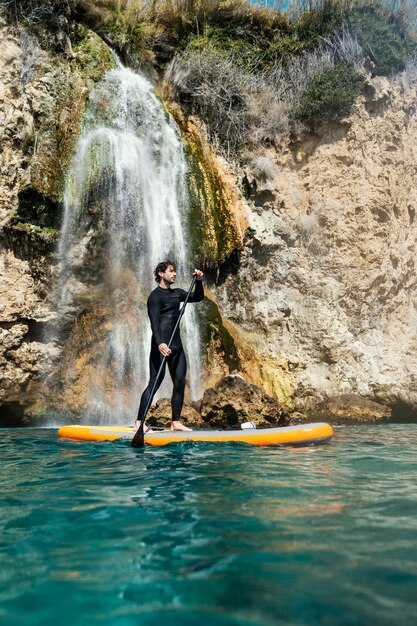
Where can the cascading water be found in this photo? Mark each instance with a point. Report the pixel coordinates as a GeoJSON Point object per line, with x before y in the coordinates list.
{"type": "Point", "coordinates": [126, 207]}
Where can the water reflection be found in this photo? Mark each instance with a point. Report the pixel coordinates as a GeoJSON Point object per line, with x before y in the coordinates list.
{"type": "Point", "coordinates": [229, 534]}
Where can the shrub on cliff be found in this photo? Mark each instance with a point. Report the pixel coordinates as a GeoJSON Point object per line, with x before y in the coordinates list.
{"type": "Point", "coordinates": [257, 37]}
{"type": "Point", "coordinates": [209, 84]}
{"type": "Point", "coordinates": [317, 20]}
{"type": "Point", "coordinates": [329, 95]}
{"type": "Point", "coordinates": [385, 34]}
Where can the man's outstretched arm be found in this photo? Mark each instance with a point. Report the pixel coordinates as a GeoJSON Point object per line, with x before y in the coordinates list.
{"type": "Point", "coordinates": [198, 293]}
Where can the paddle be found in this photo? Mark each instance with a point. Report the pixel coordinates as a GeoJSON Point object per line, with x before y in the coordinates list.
{"type": "Point", "coordinates": [138, 440]}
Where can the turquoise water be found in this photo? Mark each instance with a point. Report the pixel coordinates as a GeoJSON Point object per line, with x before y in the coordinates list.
{"type": "Point", "coordinates": [100, 533]}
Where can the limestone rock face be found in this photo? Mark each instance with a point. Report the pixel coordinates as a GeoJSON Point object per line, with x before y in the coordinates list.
{"type": "Point", "coordinates": [42, 96]}
{"type": "Point", "coordinates": [233, 401]}
{"type": "Point", "coordinates": [22, 317]}
{"type": "Point", "coordinates": [327, 283]}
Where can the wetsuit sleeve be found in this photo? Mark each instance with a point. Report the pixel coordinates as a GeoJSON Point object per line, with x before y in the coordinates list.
{"type": "Point", "coordinates": [154, 312]}
{"type": "Point", "coordinates": [196, 296]}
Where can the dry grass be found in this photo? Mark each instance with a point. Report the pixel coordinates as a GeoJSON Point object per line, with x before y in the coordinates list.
{"type": "Point", "coordinates": [409, 75]}
{"type": "Point", "coordinates": [242, 106]}
{"type": "Point", "coordinates": [217, 90]}
{"type": "Point", "coordinates": [262, 167]}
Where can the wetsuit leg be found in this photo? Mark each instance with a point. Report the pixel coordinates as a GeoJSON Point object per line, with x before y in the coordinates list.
{"type": "Point", "coordinates": [154, 364]}
{"type": "Point", "coordinates": [177, 365]}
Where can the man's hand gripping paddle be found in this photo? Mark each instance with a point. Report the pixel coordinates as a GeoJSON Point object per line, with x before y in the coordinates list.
{"type": "Point", "coordinates": [138, 440]}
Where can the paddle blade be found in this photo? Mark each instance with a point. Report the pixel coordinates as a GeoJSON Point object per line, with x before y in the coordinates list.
{"type": "Point", "coordinates": [138, 440]}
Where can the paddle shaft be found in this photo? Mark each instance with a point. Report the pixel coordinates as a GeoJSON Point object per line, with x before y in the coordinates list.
{"type": "Point", "coordinates": [139, 437]}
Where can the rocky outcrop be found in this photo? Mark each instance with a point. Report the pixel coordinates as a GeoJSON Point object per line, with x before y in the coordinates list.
{"type": "Point", "coordinates": [23, 315]}
{"type": "Point", "coordinates": [234, 401]}
{"type": "Point", "coordinates": [230, 403]}
{"type": "Point", "coordinates": [351, 409]}
{"type": "Point", "coordinates": [327, 283]}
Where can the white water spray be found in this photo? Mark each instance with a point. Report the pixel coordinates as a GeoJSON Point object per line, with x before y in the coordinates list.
{"type": "Point", "coordinates": [127, 182]}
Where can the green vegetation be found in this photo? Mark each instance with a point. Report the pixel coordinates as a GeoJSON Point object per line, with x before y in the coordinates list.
{"type": "Point", "coordinates": [329, 95]}
{"type": "Point", "coordinates": [384, 34]}
{"type": "Point", "coordinates": [249, 72]}
{"type": "Point", "coordinates": [125, 25]}
{"type": "Point", "coordinates": [323, 19]}
{"type": "Point", "coordinates": [260, 75]}
{"type": "Point", "coordinates": [46, 234]}
{"type": "Point", "coordinates": [92, 57]}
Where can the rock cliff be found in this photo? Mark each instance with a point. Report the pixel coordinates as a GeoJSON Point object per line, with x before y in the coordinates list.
{"type": "Point", "coordinates": [326, 291]}
{"type": "Point", "coordinates": [42, 95]}
{"type": "Point", "coordinates": [320, 303]}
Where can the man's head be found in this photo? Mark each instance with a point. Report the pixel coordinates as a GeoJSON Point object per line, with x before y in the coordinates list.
{"type": "Point", "coordinates": [166, 270]}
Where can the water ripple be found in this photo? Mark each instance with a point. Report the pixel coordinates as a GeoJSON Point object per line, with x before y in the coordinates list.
{"type": "Point", "coordinates": [206, 534]}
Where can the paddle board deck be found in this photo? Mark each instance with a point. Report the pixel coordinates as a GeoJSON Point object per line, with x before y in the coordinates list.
{"type": "Point", "coordinates": [301, 435]}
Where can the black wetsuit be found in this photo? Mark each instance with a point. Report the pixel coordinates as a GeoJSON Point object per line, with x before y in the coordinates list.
{"type": "Point", "coordinates": [163, 311]}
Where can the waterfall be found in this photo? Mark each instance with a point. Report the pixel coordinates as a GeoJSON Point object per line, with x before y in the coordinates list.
{"type": "Point", "coordinates": [125, 209]}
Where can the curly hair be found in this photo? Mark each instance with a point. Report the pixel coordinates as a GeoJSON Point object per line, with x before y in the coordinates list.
{"type": "Point", "coordinates": [162, 267]}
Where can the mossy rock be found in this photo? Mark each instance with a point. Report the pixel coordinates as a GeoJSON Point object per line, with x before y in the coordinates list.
{"type": "Point", "coordinates": [92, 57]}
{"type": "Point", "coordinates": [215, 334]}
{"type": "Point", "coordinates": [213, 226]}
{"type": "Point", "coordinates": [70, 81]}
{"type": "Point", "coordinates": [27, 240]}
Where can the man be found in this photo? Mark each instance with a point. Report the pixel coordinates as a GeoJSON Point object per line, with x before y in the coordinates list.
{"type": "Point", "coordinates": [163, 311]}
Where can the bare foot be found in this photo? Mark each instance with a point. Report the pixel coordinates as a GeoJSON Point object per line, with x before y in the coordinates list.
{"type": "Point", "coordinates": [178, 426]}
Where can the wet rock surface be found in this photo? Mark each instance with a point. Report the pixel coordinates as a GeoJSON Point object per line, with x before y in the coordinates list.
{"type": "Point", "coordinates": [351, 409]}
